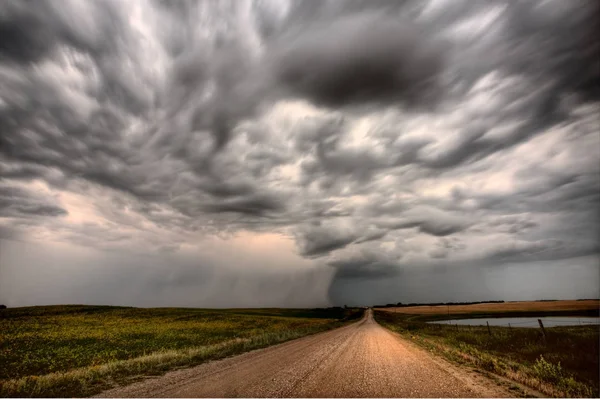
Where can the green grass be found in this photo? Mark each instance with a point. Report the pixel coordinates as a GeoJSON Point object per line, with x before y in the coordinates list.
{"type": "Point", "coordinates": [566, 365]}
{"type": "Point", "coordinates": [81, 350]}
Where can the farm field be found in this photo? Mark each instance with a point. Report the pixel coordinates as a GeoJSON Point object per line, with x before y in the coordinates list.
{"type": "Point", "coordinates": [565, 364]}
{"type": "Point", "coordinates": [529, 306]}
{"type": "Point", "coordinates": [80, 350]}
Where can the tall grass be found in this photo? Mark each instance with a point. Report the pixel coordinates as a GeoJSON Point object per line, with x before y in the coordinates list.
{"type": "Point", "coordinates": [566, 364]}
{"type": "Point", "coordinates": [79, 351]}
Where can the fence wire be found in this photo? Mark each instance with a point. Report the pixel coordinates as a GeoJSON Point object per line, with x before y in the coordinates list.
{"type": "Point", "coordinates": [532, 323]}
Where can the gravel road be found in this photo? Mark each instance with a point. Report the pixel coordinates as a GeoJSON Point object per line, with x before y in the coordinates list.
{"type": "Point", "coordinates": [359, 360]}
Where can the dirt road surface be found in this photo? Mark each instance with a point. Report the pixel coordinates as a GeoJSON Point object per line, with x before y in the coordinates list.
{"type": "Point", "coordinates": [360, 360]}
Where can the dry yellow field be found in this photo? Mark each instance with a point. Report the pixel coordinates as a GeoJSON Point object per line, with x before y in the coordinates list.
{"type": "Point", "coordinates": [499, 307]}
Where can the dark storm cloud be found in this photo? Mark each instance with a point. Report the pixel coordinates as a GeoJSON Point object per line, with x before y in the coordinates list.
{"type": "Point", "coordinates": [440, 229]}
{"type": "Point", "coordinates": [476, 140]}
{"type": "Point", "coordinates": [364, 59]}
{"type": "Point", "coordinates": [36, 31]}
{"type": "Point", "coordinates": [541, 191]}
{"type": "Point", "coordinates": [24, 36]}
{"type": "Point", "coordinates": [372, 236]}
{"type": "Point", "coordinates": [435, 228]}
{"type": "Point", "coordinates": [364, 265]}
{"type": "Point", "coordinates": [457, 283]}
{"type": "Point", "coordinates": [327, 209]}
{"type": "Point", "coordinates": [554, 43]}
{"type": "Point", "coordinates": [17, 202]}
{"type": "Point", "coordinates": [428, 220]}
{"type": "Point", "coordinates": [562, 191]}
{"type": "Point", "coordinates": [318, 241]}
{"type": "Point", "coordinates": [331, 162]}
{"type": "Point", "coordinates": [93, 147]}
{"type": "Point", "coordinates": [438, 253]}
{"type": "Point", "coordinates": [514, 223]}
{"type": "Point", "coordinates": [558, 43]}
{"type": "Point", "coordinates": [249, 206]}
{"type": "Point", "coordinates": [359, 165]}
{"type": "Point", "coordinates": [550, 47]}
{"type": "Point", "coordinates": [523, 251]}
{"type": "Point", "coordinates": [446, 246]}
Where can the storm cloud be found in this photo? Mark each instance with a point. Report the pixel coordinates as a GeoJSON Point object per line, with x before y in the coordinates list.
{"type": "Point", "coordinates": [359, 59]}
{"type": "Point", "coordinates": [299, 152]}
{"type": "Point", "coordinates": [20, 202]}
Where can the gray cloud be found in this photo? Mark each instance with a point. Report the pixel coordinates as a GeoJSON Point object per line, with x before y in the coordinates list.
{"type": "Point", "coordinates": [19, 202]}
{"type": "Point", "coordinates": [320, 240]}
{"type": "Point", "coordinates": [428, 220]}
{"type": "Point", "coordinates": [249, 206]}
{"type": "Point", "coordinates": [514, 224]}
{"type": "Point", "coordinates": [359, 59]}
{"type": "Point", "coordinates": [365, 264]}
{"type": "Point", "coordinates": [565, 38]}
{"type": "Point", "coordinates": [523, 248]}
{"type": "Point", "coordinates": [446, 246]}
{"type": "Point", "coordinates": [19, 43]}
{"type": "Point", "coordinates": [522, 251]}
{"type": "Point", "coordinates": [372, 236]}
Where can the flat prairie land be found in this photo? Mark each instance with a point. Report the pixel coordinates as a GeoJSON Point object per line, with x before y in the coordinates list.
{"type": "Point", "coordinates": [563, 362]}
{"type": "Point", "coordinates": [359, 360]}
{"type": "Point", "coordinates": [529, 306]}
{"type": "Point", "coordinates": [76, 350]}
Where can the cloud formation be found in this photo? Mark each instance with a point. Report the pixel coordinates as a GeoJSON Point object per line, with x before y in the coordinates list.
{"type": "Point", "coordinates": [360, 59]}
{"type": "Point", "coordinates": [19, 202]}
{"type": "Point", "coordinates": [374, 138]}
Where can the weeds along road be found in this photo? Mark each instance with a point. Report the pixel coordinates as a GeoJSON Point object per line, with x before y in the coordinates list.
{"type": "Point", "coordinates": [360, 360]}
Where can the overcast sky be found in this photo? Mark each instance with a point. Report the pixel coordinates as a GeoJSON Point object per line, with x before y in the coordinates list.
{"type": "Point", "coordinates": [301, 153]}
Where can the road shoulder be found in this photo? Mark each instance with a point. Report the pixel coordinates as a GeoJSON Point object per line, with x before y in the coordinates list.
{"type": "Point", "coordinates": [486, 384]}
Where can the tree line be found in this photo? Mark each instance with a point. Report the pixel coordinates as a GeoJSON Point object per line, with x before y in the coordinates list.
{"type": "Point", "coordinates": [404, 305]}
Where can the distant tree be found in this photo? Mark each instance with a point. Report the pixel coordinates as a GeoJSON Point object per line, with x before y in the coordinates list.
{"type": "Point", "coordinates": [2, 306]}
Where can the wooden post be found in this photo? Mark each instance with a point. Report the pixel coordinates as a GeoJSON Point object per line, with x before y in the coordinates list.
{"type": "Point", "coordinates": [489, 331]}
{"type": "Point", "coordinates": [509, 326]}
{"type": "Point", "coordinates": [543, 330]}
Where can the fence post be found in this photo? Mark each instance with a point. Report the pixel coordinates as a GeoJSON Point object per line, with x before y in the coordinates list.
{"type": "Point", "coordinates": [488, 325]}
{"type": "Point", "coordinates": [543, 330]}
{"type": "Point", "coordinates": [509, 326]}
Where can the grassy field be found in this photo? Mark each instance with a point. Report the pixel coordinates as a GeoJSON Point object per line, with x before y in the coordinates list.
{"type": "Point", "coordinates": [566, 365]}
{"type": "Point", "coordinates": [532, 306]}
{"type": "Point", "coordinates": [81, 350]}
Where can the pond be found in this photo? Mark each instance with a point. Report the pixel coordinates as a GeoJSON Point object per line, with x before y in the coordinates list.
{"type": "Point", "coordinates": [528, 322]}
